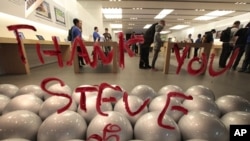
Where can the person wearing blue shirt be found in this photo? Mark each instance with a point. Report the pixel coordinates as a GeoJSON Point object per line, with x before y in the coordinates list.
{"type": "Point", "coordinates": [96, 35]}
{"type": "Point", "coordinates": [197, 41]}
{"type": "Point", "coordinates": [76, 31]}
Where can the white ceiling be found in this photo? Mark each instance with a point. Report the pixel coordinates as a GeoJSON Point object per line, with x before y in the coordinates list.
{"type": "Point", "coordinates": [184, 11]}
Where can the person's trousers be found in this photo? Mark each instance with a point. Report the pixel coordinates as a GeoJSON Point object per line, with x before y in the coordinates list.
{"type": "Point", "coordinates": [238, 58]}
{"type": "Point", "coordinates": [246, 62]}
{"type": "Point", "coordinates": [144, 55]}
{"type": "Point", "coordinates": [196, 51]}
{"type": "Point", "coordinates": [80, 59]}
{"type": "Point", "coordinates": [225, 53]}
{"type": "Point", "coordinates": [156, 52]}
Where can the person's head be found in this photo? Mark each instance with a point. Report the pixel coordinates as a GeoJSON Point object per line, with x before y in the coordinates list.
{"type": "Point", "coordinates": [236, 24]}
{"type": "Point", "coordinates": [158, 28]}
{"type": "Point", "coordinates": [77, 22]}
{"type": "Point", "coordinates": [213, 31]}
{"type": "Point", "coordinates": [199, 36]}
{"type": "Point", "coordinates": [162, 22]}
{"type": "Point", "coordinates": [189, 35]}
{"type": "Point", "coordinates": [248, 25]}
{"type": "Point", "coordinates": [96, 28]}
{"type": "Point", "coordinates": [106, 30]}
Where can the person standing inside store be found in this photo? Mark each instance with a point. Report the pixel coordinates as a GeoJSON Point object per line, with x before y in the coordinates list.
{"type": "Point", "coordinates": [197, 41]}
{"type": "Point", "coordinates": [76, 31]}
{"type": "Point", "coordinates": [107, 37]}
{"type": "Point", "coordinates": [208, 36]}
{"type": "Point", "coordinates": [96, 36]}
{"type": "Point", "coordinates": [246, 63]}
{"type": "Point", "coordinates": [240, 44]}
{"type": "Point", "coordinates": [145, 47]}
{"type": "Point", "coordinates": [157, 44]}
{"type": "Point", "coordinates": [134, 46]}
{"type": "Point", "coordinates": [189, 40]}
{"type": "Point", "coordinates": [227, 47]}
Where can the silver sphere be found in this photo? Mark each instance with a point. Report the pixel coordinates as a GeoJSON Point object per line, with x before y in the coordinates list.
{"type": "Point", "coordinates": [143, 92]}
{"type": "Point", "coordinates": [200, 90]}
{"type": "Point", "coordinates": [9, 90]}
{"type": "Point", "coordinates": [34, 89]}
{"type": "Point", "coordinates": [52, 104]}
{"type": "Point", "coordinates": [147, 128]}
{"type": "Point", "coordinates": [64, 126]}
{"type": "Point", "coordinates": [58, 89]}
{"type": "Point", "coordinates": [202, 125]}
{"type": "Point", "coordinates": [230, 103]}
{"type": "Point", "coordinates": [98, 123]}
{"type": "Point", "coordinates": [169, 88]}
{"type": "Point", "coordinates": [134, 103]}
{"type": "Point", "coordinates": [91, 108]}
{"type": "Point", "coordinates": [28, 102]}
{"type": "Point", "coordinates": [4, 100]}
{"type": "Point", "coordinates": [236, 117]}
{"type": "Point", "coordinates": [109, 92]}
{"type": "Point", "coordinates": [77, 95]}
{"type": "Point", "coordinates": [202, 103]}
{"type": "Point", "coordinates": [19, 124]}
{"type": "Point", "coordinates": [158, 103]}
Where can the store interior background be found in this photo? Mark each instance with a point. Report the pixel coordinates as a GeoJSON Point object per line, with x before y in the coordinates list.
{"type": "Point", "coordinates": [90, 13]}
{"type": "Point", "coordinates": [12, 12]}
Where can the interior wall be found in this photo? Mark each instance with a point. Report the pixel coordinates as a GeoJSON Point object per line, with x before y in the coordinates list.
{"type": "Point", "coordinates": [12, 12]}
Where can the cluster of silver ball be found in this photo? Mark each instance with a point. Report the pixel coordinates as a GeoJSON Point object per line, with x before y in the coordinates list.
{"type": "Point", "coordinates": [29, 114]}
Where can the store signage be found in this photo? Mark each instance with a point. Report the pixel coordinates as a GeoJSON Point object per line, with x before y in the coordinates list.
{"type": "Point", "coordinates": [106, 59]}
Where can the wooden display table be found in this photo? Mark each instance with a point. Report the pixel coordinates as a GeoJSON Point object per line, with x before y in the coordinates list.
{"type": "Point", "coordinates": [206, 49]}
{"type": "Point", "coordinates": [10, 60]}
{"type": "Point", "coordinates": [216, 49]}
{"type": "Point", "coordinates": [91, 44]}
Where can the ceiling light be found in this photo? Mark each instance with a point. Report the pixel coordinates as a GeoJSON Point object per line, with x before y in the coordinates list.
{"type": "Point", "coordinates": [199, 9]}
{"type": "Point", "coordinates": [116, 25]}
{"type": "Point", "coordinates": [240, 3]}
{"type": "Point", "coordinates": [133, 18]}
{"type": "Point", "coordinates": [205, 18]}
{"type": "Point", "coordinates": [112, 13]}
{"type": "Point", "coordinates": [179, 27]}
{"type": "Point", "coordinates": [218, 13]}
{"type": "Point", "coordinates": [163, 13]}
{"type": "Point", "coordinates": [147, 26]}
{"type": "Point", "coordinates": [214, 14]}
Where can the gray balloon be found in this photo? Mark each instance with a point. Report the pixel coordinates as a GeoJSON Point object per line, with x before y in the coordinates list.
{"type": "Point", "coordinates": [19, 124]}
{"type": "Point", "coordinates": [63, 126]}
{"type": "Point", "coordinates": [230, 103]}
{"type": "Point", "coordinates": [202, 125]}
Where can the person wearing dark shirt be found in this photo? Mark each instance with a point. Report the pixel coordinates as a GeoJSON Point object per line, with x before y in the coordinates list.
{"type": "Point", "coordinates": [134, 46]}
{"type": "Point", "coordinates": [240, 43]}
{"type": "Point", "coordinates": [246, 63]}
{"type": "Point", "coordinates": [77, 32]}
{"type": "Point", "coordinates": [145, 47]}
{"type": "Point", "coordinates": [227, 47]}
{"type": "Point", "coordinates": [209, 36]}
{"type": "Point", "coordinates": [107, 37]}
